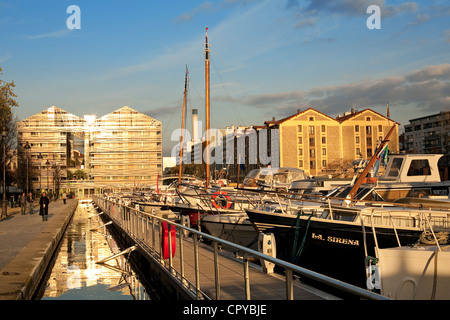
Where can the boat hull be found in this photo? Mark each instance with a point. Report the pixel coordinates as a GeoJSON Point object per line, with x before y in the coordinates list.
{"type": "Point", "coordinates": [333, 248]}
{"type": "Point", "coordinates": [235, 228]}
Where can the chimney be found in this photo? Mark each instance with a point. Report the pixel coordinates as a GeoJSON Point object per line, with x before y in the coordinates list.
{"type": "Point", "coordinates": [195, 137]}
{"type": "Point", "coordinates": [299, 111]}
{"type": "Point", "coordinates": [273, 119]}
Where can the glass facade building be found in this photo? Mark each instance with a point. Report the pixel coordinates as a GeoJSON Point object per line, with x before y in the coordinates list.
{"type": "Point", "coordinates": [121, 150]}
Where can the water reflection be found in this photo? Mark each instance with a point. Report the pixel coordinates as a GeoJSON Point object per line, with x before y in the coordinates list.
{"type": "Point", "coordinates": [76, 275]}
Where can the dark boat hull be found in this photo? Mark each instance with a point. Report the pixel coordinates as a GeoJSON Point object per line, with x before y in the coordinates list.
{"type": "Point", "coordinates": [336, 249]}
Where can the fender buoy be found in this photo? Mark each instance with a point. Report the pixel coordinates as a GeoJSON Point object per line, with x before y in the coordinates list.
{"type": "Point", "coordinates": [165, 227]}
{"type": "Point", "coordinates": [218, 204]}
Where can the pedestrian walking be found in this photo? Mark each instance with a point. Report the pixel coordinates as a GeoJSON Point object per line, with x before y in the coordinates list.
{"type": "Point", "coordinates": [64, 197]}
{"type": "Point", "coordinates": [23, 203]}
{"type": "Point", "coordinates": [43, 206]}
{"type": "Point", "coordinates": [30, 202]}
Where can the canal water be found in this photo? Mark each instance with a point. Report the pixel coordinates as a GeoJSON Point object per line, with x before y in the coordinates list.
{"type": "Point", "coordinates": [75, 274]}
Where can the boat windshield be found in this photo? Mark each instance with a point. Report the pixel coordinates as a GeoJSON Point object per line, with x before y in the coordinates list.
{"type": "Point", "coordinates": [273, 176]}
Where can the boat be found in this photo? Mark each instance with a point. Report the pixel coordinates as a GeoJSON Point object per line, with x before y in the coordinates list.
{"type": "Point", "coordinates": [339, 238]}
{"type": "Point", "coordinates": [419, 272]}
{"type": "Point", "coordinates": [411, 176]}
{"type": "Point", "coordinates": [413, 273]}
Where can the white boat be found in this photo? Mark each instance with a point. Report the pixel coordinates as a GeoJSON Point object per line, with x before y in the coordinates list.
{"type": "Point", "coordinates": [413, 273]}
{"type": "Point", "coordinates": [411, 175]}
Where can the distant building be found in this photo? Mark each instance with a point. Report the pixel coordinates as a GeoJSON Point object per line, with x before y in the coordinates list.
{"type": "Point", "coordinates": [122, 149]}
{"type": "Point", "coordinates": [430, 134]}
{"type": "Point", "coordinates": [317, 143]}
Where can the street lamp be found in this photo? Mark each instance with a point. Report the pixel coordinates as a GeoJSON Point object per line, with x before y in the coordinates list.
{"type": "Point", "coordinates": [4, 203]}
{"type": "Point", "coordinates": [40, 157]}
{"type": "Point", "coordinates": [27, 148]}
{"type": "Point", "coordinates": [47, 164]}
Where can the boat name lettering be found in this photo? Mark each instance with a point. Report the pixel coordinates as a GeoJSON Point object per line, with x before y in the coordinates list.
{"type": "Point", "coordinates": [335, 239]}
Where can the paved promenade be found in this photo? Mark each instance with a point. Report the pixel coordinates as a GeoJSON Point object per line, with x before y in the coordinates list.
{"type": "Point", "coordinates": [26, 246]}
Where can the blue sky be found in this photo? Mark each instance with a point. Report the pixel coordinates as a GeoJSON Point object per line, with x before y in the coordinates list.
{"type": "Point", "coordinates": [269, 57]}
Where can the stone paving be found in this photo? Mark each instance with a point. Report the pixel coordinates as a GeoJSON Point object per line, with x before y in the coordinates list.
{"type": "Point", "coordinates": [26, 246]}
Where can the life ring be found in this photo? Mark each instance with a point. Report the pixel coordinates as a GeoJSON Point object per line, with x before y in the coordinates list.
{"type": "Point", "coordinates": [221, 194]}
{"type": "Point", "coordinates": [165, 239]}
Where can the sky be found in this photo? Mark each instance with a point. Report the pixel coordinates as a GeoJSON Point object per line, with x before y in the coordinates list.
{"type": "Point", "coordinates": [269, 58]}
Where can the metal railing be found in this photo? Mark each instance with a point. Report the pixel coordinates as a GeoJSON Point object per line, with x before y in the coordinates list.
{"type": "Point", "coordinates": [144, 229]}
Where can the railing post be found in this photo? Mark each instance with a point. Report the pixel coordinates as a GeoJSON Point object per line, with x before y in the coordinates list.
{"type": "Point", "coordinates": [153, 234]}
{"type": "Point", "coordinates": [170, 226]}
{"type": "Point", "coordinates": [289, 285]}
{"type": "Point", "coordinates": [197, 269]}
{"type": "Point", "coordinates": [181, 255]}
{"type": "Point", "coordinates": [216, 269]}
{"type": "Point", "coordinates": [246, 277]}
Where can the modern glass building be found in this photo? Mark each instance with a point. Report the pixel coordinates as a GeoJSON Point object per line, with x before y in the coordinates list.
{"type": "Point", "coordinates": [121, 150]}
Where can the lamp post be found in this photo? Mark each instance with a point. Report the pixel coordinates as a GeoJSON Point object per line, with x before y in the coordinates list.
{"type": "Point", "coordinates": [40, 157]}
{"type": "Point", "coordinates": [27, 148]}
{"type": "Point", "coordinates": [47, 163]}
{"type": "Point", "coordinates": [4, 203]}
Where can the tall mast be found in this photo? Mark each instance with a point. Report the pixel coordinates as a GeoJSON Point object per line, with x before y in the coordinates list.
{"type": "Point", "coordinates": [182, 126]}
{"type": "Point", "coordinates": [369, 166]}
{"type": "Point", "coordinates": [207, 106]}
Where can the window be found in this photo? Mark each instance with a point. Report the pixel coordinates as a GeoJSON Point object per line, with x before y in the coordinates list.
{"type": "Point", "coordinates": [380, 128]}
{"type": "Point", "coordinates": [368, 119]}
{"type": "Point", "coordinates": [395, 167]}
{"type": "Point", "coordinates": [357, 139]}
{"type": "Point", "coordinates": [324, 163]}
{"type": "Point", "coordinates": [323, 128]}
{"type": "Point", "coordinates": [369, 153]}
{"type": "Point", "coordinates": [356, 128]}
{"type": "Point", "coordinates": [312, 164]}
{"type": "Point", "coordinates": [369, 141]}
{"type": "Point", "coordinates": [324, 151]}
{"type": "Point", "coordinates": [312, 141]}
{"type": "Point", "coordinates": [369, 130]}
{"type": "Point", "coordinates": [299, 128]}
{"type": "Point", "coordinates": [312, 153]}
{"type": "Point", "coordinates": [419, 168]}
{"type": "Point", "coordinates": [311, 118]}
{"type": "Point", "coordinates": [300, 163]}
{"type": "Point", "coordinates": [300, 152]}
{"type": "Point", "coordinates": [311, 129]}
{"type": "Point", "coordinates": [324, 140]}
{"type": "Point", "coordinates": [300, 140]}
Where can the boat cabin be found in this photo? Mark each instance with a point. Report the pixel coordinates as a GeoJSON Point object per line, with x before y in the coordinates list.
{"type": "Point", "coordinates": [412, 168]}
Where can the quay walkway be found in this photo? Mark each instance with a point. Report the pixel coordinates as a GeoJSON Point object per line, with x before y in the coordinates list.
{"type": "Point", "coordinates": [27, 245]}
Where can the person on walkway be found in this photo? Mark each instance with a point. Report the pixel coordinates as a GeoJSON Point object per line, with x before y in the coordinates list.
{"type": "Point", "coordinates": [30, 202]}
{"type": "Point", "coordinates": [64, 197]}
{"type": "Point", "coordinates": [23, 203]}
{"type": "Point", "coordinates": [43, 206]}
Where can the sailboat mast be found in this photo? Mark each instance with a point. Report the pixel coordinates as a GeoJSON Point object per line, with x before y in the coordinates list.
{"type": "Point", "coordinates": [207, 106]}
{"type": "Point", "coordinates": [182, 127]}
{"type": "Point", "coordinates": [369, 166]}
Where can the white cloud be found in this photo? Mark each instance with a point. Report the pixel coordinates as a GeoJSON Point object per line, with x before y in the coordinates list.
{"type": "Point", "coordinates": [5, 58]}
{"type": "Point", "coordinates": [54, 34]}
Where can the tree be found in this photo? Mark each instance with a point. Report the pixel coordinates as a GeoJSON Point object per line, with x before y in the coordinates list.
{"type": "Point", "coordinates": [7, 100]}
